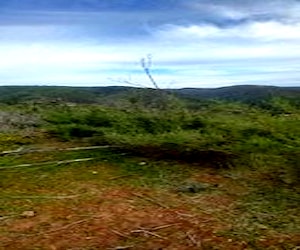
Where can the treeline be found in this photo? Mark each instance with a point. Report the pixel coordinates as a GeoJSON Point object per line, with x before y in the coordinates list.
{"type": "Point", "coordinates": [111, 95]}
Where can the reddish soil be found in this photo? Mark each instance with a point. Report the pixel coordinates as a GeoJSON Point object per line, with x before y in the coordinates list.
{"type": "Point", "coordinates": [123, 218]}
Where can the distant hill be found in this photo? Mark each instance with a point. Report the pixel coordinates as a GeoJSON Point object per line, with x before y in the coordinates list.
{"type": "Point", "coordinates": [21, 94]}
{"type": "Point", "coordinates": [242, 93]}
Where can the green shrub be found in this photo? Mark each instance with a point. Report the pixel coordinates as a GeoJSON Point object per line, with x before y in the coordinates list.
{"type": "Point", "coordinates": [220, 134]}
{"type": "Point", "coordinates": [146, 123]}
{"type": "Point", "coordinates": [72, 131]}
{"type": "Point", "coordinates": [98, 119]}
{"type": "Point", "coordinates": [194, 123]}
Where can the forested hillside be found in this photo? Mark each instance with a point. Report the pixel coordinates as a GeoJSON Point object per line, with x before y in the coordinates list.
{"type": "Point", "coordinates": [247, 94]}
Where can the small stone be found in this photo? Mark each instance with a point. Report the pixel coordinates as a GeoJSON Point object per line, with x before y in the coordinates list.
{"type": "Point", "coordinates": [261, 226]}
{"type": "Point", "coordinates": [28, 214]}
{"type": "Point", "coordinates": [142, 163]}
{"type": "Point", "coordinates": [94, 172]}
{"type": "Point", "coordinates": [193, 187]}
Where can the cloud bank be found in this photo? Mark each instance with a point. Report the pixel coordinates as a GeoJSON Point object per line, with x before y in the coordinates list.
{"type": "Point", "coordinates": [194, 43]}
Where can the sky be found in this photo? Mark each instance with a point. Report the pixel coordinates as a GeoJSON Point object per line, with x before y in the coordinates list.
{"type": "Point", "coordinates": [191, 43]}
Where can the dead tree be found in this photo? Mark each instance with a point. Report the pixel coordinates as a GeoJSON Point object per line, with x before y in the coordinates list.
{"type": "Point", "coordinates": [146, 63]}
{"type": "Point", "coordinates": [162, 98]}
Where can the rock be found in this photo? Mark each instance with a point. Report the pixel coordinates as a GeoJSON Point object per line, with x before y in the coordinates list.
{"type": "Point", "coordinates": [193, 187]}
{"type": "Point", "coordinates": [28, 214]}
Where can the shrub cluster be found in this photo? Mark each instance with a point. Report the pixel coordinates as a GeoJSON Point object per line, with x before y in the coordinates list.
{"type": "Point", "coordinates": [219, 135]}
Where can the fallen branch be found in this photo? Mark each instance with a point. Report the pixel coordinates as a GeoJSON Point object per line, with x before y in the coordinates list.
{"type": "Point", "coordinates": [40, 197]}
{"type": "Point", "coordinates": [122, 247]}
{"type": "Point", "coordinates": [65, 227]}
{"type": "Point", "coordinates": [47, 163]}
{"type": "Point", "coordinates": [150, 199]}
{"type": "Point", "coordinates": [75, 223]}
{"type": "Point", "coordinates": [6, 217]}
{"type": "Point", "coordinates": [121, 177]}
{"type": "Point", "coordinates": [119, 233]}
{"type": "Point", "coordinates": [149, 233]}
{"type": "Point", "coordinates": [26, 151]}
{"type": "Point", "coordinates": [193, 240]}
{"type": "Point", "coordinates": [145, 230]}
{"type": "Point", "coordinates": [185, 215]}
{"type": "Point", "coordinates": [163, 227]}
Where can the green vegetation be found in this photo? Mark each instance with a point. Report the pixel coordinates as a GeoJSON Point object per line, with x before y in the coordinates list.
{"type": "Point", "coordinates": [156, 141]}
{"type": "Point", "coordinates": [220, 135]}
{"type": "Point", "coordinates": [115, 95]}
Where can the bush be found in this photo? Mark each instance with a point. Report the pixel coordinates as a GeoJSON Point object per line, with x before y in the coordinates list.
{"type": "Point", "coordinates": [219, 135]}
{"type": "Point", "coordinates": [194, 123]}
{"type": "Point", "coordinates": [72, 131]}
{"type": "Point", "coordinates": [98, 119]}
{"type": "Point", "coordinates": [146, 123]}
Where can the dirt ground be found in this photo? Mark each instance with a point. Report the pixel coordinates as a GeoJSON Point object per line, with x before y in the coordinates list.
{"type": "Point", "coordinates": [129, 219]}
{"type": "Point", "coordinates": [123, 216]}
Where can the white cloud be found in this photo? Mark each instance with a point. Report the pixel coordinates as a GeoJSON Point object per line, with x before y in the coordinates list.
{"type": "Point", "coordinates": [264, 31]}
{"type": "Point", "coordinates": [271, 30]}
{"type": "Point", "coordinates": [265, 52]}
{"type": "Point", "coordinates": [250, 9]}
{"type": "Point", "coordinates": [189, 63]}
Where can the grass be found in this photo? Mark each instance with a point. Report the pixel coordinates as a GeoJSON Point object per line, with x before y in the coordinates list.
{"type": "Point", "coordinates": [245, 157]}
{"type": "Point", "coordinates": [250, 217]}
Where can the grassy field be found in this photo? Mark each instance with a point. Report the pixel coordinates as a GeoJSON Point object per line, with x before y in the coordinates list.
{"type": "Point", "coordinates": [216, 176]}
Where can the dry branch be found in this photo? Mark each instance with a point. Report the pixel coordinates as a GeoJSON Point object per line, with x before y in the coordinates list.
{"type": "Point", "coordinates": [193, 240]}
{"type": "Point", "coordinates": [41, 197]}
{"type": "Point", "coordinates": [47, 163]}
{"type": "Point", "coordinates": [119, 233]}
{"type": "Point", "coordinates": [149, 233]}
{"type": "Point", "coordinates": [121, 177]}
{"type": "Point", "coordinates": [122, 247]}
{"type": "Point", "coordinates": [63, 227]}
{"type": "Point", "coordinates": [67, 226]}
{"type": "Point", "coordinates": [146, 64]}
{"type": "Point", "coordinates": [163, 227]}
{"type": "Point", "coordinates": [26, 151]}
{"type": "Point", "coordinates": [150, 199]}
{"type": "Point", "coordinates": [6, 217]}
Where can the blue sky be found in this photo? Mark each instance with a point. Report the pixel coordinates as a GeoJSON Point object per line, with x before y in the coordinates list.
{"type": "Point", "coordinates": [193, 43]}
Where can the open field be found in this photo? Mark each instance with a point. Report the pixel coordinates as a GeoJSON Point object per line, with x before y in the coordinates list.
{"type": "Point", "coordinates": [220, 176]}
